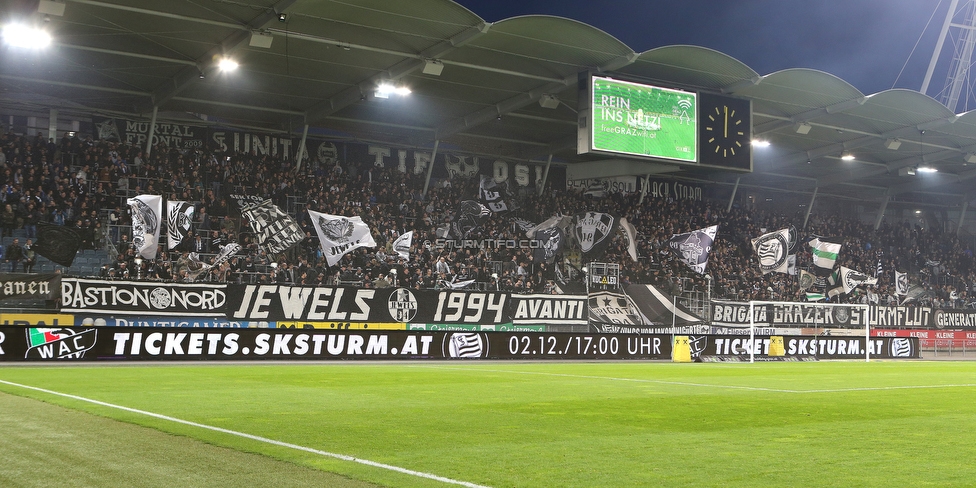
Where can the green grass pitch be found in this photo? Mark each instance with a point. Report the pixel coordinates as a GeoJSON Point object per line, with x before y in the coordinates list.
{"type": "Point", "coordinates": [499, 424]}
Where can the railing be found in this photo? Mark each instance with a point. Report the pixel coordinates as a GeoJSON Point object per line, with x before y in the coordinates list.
{"type": "Point", "coordinates": [949, 348]}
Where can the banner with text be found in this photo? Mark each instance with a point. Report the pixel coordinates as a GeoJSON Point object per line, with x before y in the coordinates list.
{"type": "Point", "coordinates": [114, 297]}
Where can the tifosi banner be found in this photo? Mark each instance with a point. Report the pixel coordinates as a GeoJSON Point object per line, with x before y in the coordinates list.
{"type": "Point", "coordinates": [27, 286]}
{"type": "Point", "coordinates": [955, 319]}
{"type": "Point", "coordinates": [346, 304]}
{"type": "Point", "coordinates": [129, 297]}
{"type": "Point", "coordinates": [133, 343]}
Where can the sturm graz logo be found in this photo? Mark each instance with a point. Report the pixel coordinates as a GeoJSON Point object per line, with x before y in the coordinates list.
{"type": "Point", "coordinates": [402, 305]}
{"type": "Point", "coordinates": [771, 249]}
{"type": "Point", "coordinates": [466, 345]}
{"type": "Point", "coordinates": [842, 315]}
{"type": "Point", "coordinates": [901, 347]}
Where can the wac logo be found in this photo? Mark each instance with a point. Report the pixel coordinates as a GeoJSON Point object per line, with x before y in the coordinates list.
{"type": "Point", "coordinates": [49, 343]}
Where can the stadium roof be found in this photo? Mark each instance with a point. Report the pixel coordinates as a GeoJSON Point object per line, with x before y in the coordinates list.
{"type": "Point", "coordinates": [327, 57]}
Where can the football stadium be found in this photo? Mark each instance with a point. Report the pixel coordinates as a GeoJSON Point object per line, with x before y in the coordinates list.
{"type": "Point", "coordinates": [367, 243]}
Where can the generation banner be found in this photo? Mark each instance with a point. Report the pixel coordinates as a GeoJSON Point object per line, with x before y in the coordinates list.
{"type": "Point", "coordinates": [954, 319]}
{"type": "Point", "coordinates": [139, 298]}
{"type": "Point", "coordinates": [140, 344]}
{"type": "Point", "coordinates": [29, 286]}
{"type": "Point", "coordinates": [365, 305]}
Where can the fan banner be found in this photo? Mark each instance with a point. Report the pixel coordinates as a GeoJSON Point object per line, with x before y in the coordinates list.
{"type": "Point", "coordinates": [30, 286]}
{"type": "Point", "coordinates": [349, 304]}
{"type": "Point", "coordinates": [736, 314]}
{"type": "Point", "coordinates": [83, 295]}
{"type": "Point", "coordinates": [146, 213]}
{"type": "Point", "coordinates": [339, 235]}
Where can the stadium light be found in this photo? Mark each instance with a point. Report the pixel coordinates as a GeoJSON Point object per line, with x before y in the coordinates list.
{"type": "Point", "coordinates": [760, 143]}
{"type": "Point", "coordinates": [847, 157]}
{"type": "Point", "coordinates": [927, 169]}
{"type": "Point", "coordinates": [227, 64]}
{"type": "Point", "coordinates": [384, 90]}
{"type": "Point", "coordinates": [20, 35]}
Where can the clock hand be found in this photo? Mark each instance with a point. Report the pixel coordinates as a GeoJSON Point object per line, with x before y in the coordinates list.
{"type": "Point", "coordinates": [726, 122]}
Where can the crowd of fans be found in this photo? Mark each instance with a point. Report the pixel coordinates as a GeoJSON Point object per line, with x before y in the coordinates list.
{"type": "Point", "coordinates": [83, 183]}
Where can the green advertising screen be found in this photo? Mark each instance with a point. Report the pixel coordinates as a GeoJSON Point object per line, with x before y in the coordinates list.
{"type": "Point", "coordinates": [643, 120]}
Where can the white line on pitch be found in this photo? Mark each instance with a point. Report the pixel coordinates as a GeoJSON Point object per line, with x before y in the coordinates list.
{"type": "Point", "coordinates": [343, 457]}
{"type": "Point", "coordinates": [706, 385]}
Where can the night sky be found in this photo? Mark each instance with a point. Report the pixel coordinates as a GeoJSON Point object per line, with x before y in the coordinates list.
{"type": "Point", "coordinates": [864, 42]}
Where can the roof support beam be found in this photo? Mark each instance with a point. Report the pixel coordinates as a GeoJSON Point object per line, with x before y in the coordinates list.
{"type": "Point", "coordinates": [190, 74]}
{"type": "Point", "coordinates": [359, 91]}
{"type": "Point", "coordinates": [492, 112]}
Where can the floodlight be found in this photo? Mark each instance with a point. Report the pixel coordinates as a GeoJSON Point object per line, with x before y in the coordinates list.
{"type": "Point", "coordinates": [384, 90]}
{"type": "Point", "coordinates": [20, 35]}
{"type": "Point", "coordinates": [847, 156]}
{"type": "Point", "coordinates": [760, 143]}
{"type": "Point", "coordinates": [227, 64]}
{"type": "Point", "coordinates": [927, 169]}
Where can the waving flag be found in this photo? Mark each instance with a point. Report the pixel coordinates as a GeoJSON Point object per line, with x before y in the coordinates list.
{"type": "Point", "coordinates": [146, 217]}
{"type": "Point", "coordinates": [339, 235]}
{"type": "Point", "coordinates": [824, 255]}
{"type": "Point", "coordinates": [178, 222]}
{"type": "Point", "coordinates": [771, 249]}
{"type": "Point", "coordinates": [694, 246]}
{"type": "Point", "coordinates": [402, 244]}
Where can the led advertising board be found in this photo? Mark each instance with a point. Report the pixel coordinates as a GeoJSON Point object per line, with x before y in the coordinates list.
{"type": "Point", "coordinates": [642, 120]}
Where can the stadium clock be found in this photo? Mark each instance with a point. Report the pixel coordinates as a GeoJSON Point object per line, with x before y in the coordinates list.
{"type": "Point", "coordinates": [725, 132]}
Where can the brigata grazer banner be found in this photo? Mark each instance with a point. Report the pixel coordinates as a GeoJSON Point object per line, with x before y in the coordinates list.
{"type": "Point", "coordinates": [166, 343]}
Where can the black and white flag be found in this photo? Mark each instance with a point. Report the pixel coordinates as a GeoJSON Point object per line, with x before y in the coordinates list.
{"type": "Point", "coordinates": [179, 216]}
{"type": "Point", "coordinates": [771, 249]}
{"type": "Point", "coordinates": [402, 245]}
{"type": "Point", "coordinates": [339, 235]}
{"type": "Point", "coordinates": [470, 215]}
{"type": "Point", "coordinates": [694, 246]}
{"type": "Point", "coordinates": [551, 242]}
{"type": "Point", "coordinates": [58, 243]}
{"type": "Point", "coordinates": [492, 194]}
{"type": "Point", "coordinates": [594, 231]}
{"type": "Point", "coordinates": [146, 213]}
{"type": "Point", "coordinates": [275, 230]}
{"type": "Point", "coordinates": [901, 283]}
